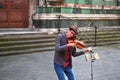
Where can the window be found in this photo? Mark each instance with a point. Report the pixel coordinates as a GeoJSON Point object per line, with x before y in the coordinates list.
{"type": "Point", "coordinates": [40, 3]}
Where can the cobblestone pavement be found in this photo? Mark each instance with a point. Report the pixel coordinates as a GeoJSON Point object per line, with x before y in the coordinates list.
{"type": "Point", "coordinates": [39, 66]}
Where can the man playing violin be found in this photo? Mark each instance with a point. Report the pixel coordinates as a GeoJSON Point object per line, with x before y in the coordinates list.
{"type": "Point", "coordinates": [64, 50]}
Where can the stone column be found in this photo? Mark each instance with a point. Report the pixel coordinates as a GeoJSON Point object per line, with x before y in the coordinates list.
{"type": "Point", "coordinates": [32, 7]}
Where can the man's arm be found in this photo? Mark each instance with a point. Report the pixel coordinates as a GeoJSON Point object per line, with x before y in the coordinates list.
{"type": "Point", "coordinates": [74, 53]}
{"type": "Point", "coordinates": [58, 46]}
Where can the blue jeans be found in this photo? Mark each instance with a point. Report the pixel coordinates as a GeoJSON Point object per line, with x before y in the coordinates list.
{"type": "Point", "coordinates": [61, 72]}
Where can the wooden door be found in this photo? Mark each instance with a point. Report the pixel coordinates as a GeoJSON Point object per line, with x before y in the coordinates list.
{"type": "Point", "coordinates": [13, 13]}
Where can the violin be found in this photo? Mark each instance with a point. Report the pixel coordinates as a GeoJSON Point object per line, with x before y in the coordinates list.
{"type": "Point", "coordinates": [79, 44]}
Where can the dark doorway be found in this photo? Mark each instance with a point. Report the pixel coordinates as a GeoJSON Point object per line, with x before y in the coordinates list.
{"type": "Point", "coordinates": [14, 13]}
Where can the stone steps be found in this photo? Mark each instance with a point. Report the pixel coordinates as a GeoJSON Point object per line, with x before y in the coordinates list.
{"type": "Point", "coordinates": [12, 44]}
{"type": "Point", "coordinates": [26, 43]}
{"type": "Point", "coordinates": [104, 37]}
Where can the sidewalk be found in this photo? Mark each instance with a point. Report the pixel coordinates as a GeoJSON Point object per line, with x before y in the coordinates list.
{"type": "Point", "coordinates": [39, 66]}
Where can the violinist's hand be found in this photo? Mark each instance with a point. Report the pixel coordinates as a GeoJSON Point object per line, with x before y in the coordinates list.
{"type": "Point", "coordinates": [89, 49]}
{"type": "Point", "coordinates": [71, 44]}
{"type": "Point", "coordinates": [86, 50]}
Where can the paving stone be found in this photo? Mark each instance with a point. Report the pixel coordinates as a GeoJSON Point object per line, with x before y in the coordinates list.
{"type": "Point", "coordinates": [39, 66]}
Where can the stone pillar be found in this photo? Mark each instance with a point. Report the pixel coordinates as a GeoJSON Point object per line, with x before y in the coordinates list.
{"type": "Point", "coordinates": [32, 7]}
